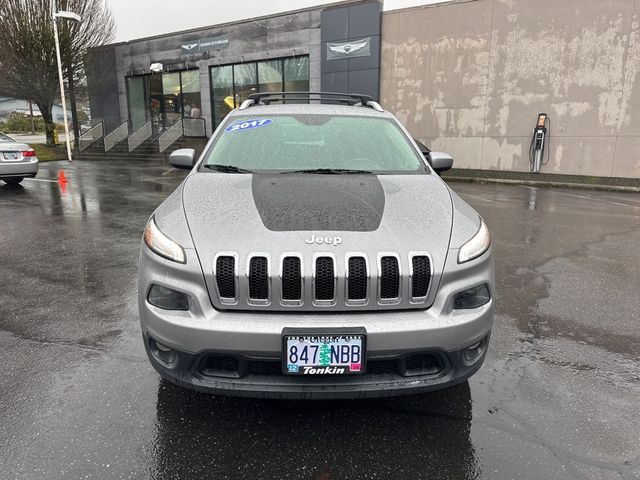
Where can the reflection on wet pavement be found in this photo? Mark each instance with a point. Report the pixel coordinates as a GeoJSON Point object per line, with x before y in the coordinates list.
{"type": "Point", "coordinates": [557, 397]}
{"type": "Point", "coordinates": [423, 436]}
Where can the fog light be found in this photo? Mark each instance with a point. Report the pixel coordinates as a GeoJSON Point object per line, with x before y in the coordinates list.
{"type": "Point", "coordinates": [162, 348]}
{"type": "Point", "coordinates": [472, 298]}
{"type": "Point", "coordinates": [474, 352]}
{"type": "Point", "coordinates": [162, 352]}
{"type": "Point", "coordinates": [167, 299]}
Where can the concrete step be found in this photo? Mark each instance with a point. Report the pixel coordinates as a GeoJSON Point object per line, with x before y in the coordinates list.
{"type": "Point", "coordinates": [147, 150]}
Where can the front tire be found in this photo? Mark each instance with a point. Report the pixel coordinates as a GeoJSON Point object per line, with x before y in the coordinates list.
{"type": "Point", "coordinates": [13, 180]}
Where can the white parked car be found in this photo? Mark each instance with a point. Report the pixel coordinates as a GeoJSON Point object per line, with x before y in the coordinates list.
{"type": "Point", "coordinates": [17, 160]}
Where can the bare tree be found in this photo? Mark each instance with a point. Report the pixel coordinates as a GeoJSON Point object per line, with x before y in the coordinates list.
{"type": "Point", "coordinates": [28, 67]}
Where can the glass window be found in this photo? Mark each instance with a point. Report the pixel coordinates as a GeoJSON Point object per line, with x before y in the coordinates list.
{"type": "Point", "coordinates": [245, 80]}
{"type": "Point", "coordinates": [155, 84]}
{"type": "Point", "coordinates": [172, 100]}
{"type": "Point", "coordinates": [155, 100]}
{"type": "Point", "coordinates": [308, 142]}
{"type": "Point", "coordinates": [232, 84]}
{"type": "Point", "coordinates": [270, 76]}
{"type": "Point", "coordinates": [222, 92]}
{"type": "Point", "coordinates": [137, 102]}
{"type": "Point", "coordinates": [191, 93]}
{"type": "Point", "coordinates": [296, 74]}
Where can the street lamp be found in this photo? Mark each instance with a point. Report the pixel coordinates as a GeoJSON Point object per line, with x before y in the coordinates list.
{"type": "Point", "coordinates": [75, 17]}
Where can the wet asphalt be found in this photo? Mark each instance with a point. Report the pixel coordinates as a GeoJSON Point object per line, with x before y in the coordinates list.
{"type": "Point", "coordinates": [558, 397]}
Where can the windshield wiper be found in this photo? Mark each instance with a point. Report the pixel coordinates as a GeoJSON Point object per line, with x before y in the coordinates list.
{"type": "Point", "coordinates": [227, 168]}
{"type": "Point", "coordinates": [327, 171]}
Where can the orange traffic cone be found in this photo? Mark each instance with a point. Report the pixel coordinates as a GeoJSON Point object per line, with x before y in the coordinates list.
{"type": "Point", "coordinates": [61, 177]}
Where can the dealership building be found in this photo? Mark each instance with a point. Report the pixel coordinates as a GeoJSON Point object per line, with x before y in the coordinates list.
{"type": "Point", "coordinates": [465, 76]}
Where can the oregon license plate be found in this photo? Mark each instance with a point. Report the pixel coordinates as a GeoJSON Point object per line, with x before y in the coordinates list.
{"type": "Point", "coordinates": [324, 354]}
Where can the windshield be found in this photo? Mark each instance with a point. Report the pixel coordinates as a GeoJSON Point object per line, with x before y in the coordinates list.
{"type": "Point", "coordinates": [5, 138]}
{"type": "Point", "coordinates": [322, 143]}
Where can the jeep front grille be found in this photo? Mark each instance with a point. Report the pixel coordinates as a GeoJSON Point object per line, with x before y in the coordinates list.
{"type": "Point", "coordinates": [324, 280]}
{"type": "Point", "coordinates": [258, 279]}
{"type": "Point", "coordinates": [421, 276]}
{"type": "Point", "coordinates": [226, 276]}
{"type": "Point", "coordinates": [389, 278]}
{"type": "Point", "coordinates": [357, 279]}
{"type": "Point", "coordinates": [291, 279]}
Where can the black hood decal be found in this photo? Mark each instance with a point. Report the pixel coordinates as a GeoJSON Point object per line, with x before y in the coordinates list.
{"type": "Point", "coordinates": [343, 202]}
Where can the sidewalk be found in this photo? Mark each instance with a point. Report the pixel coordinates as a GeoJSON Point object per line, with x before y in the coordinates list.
{"type": "Point", "coordinates": [543, 180]}
{"type": "Point", "coordinates": [35, 138]}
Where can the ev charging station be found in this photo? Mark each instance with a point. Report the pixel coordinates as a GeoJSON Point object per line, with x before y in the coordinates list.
{"type": "Point", "coordinates": [538, 144]}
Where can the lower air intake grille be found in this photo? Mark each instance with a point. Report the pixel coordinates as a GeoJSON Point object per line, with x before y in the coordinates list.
{"type": "Point", "coordinates": [421, 276]}
{"type": "Point", "coordinates": [423, 364]}
{"type": "Point", "coordinates": [291, 279]}
{"type": "Point", "coordinates": [226, 276]}
{"type": "Point", "coordinates": [220, 366]}
{"type": "Point", "coordinates": [258, 279]}
{"type": "Point", "coordinates": [324, 289]}
{"type": "Point", "coordinates": [389, 278]}
{"type": "Point", "coordinates": [357, 286]}
{"type": "Point", "coordinates": [238, 366]}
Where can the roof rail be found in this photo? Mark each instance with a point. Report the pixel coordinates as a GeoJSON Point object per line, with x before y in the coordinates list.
{"type": "Point", "coordinates": [356, 100]}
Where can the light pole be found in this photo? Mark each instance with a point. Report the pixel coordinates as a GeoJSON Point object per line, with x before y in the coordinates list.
{"type": "Point", "coordinates": [70, 16]}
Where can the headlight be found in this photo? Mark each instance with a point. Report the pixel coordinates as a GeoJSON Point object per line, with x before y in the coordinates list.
{"type": "Point", "coordinates": [161, 244]}
{"type": "Point", "coordinates": [475, 247]}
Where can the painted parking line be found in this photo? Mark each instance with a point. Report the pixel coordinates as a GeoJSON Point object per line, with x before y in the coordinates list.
{"type": "Point", "coordinates": [623, 204]}
{"type": "Point", "coordinates": [41, 180]}
{"type": "Point", "coordinates": [600, 200]}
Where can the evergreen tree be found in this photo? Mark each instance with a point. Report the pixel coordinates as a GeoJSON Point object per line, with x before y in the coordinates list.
{"type": "Point", "coordinates": [325, 355]}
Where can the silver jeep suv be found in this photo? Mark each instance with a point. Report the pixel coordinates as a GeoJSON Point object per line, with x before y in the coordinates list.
{"type": "Point", "coordinates": [314, 252]}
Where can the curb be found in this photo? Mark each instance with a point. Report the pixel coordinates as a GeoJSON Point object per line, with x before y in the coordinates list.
{"type": "Point", "coordinates": [537, 183]}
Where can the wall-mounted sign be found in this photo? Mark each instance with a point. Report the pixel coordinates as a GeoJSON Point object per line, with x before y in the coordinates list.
{"type": "Point", "coordinates": [205, 44]}
{"type": "Point", "coordinates": [354, 48]}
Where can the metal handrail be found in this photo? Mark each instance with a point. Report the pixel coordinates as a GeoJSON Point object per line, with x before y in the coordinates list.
{"type": "Point", "coordinates": [115, 137]}
{"type": "Point", "coordinates": [93, 134]}
{"type": "Point", "coordinates": [170, 135]}
{"type": "Point", "coordinates": [194, 127]}
{"type": "Point", "coordinates": [138, 137]}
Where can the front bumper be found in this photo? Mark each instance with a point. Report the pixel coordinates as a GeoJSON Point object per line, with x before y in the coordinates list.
{"type": "Point", "coordinates": [19, 169]}
{"type": "Point", "coordinates": [247, 375]}
{"type": "Point", "coordinates": [256, 337]}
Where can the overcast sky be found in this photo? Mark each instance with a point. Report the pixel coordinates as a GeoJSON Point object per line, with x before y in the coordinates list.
{"type": "Point", "coordinates": [143, 18]}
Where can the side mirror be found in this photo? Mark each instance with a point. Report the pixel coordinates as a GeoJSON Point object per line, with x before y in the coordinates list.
{"type": "Point", "coordinates": [183, 158]}
{"type": "Point", "coordinates": [440, 162]}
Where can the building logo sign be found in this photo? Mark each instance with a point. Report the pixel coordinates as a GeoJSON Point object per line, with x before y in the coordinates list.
{"type": "Point", "coordinates": [205, 45]}
{"type": "Point", "coordinates": [355, 48]}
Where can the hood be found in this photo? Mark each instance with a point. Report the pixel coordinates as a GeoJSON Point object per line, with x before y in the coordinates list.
{"type": "Point", "coordinates": [311, 215]}
{"type": "Point", "coordinates": [268, 213]}
{"type": "Point", "coordinates": [282, 214]}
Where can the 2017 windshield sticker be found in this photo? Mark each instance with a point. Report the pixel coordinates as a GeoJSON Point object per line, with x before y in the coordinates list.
{"type": "Point", "coordinates": [248, 125]}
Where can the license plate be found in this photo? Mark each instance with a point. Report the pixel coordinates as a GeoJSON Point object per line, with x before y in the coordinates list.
{"type": "Point", "coordinates": [10, 155]}
{"type": "Point", "coordinates": [324, 354]}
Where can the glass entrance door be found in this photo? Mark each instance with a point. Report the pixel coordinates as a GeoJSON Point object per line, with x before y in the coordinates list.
{"type": "Point", "coordinates": [163, 99]}
{"type": "Point", "coordinates": [171, 98]}
{"type": "Point", "coordinates": [156, 109]}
